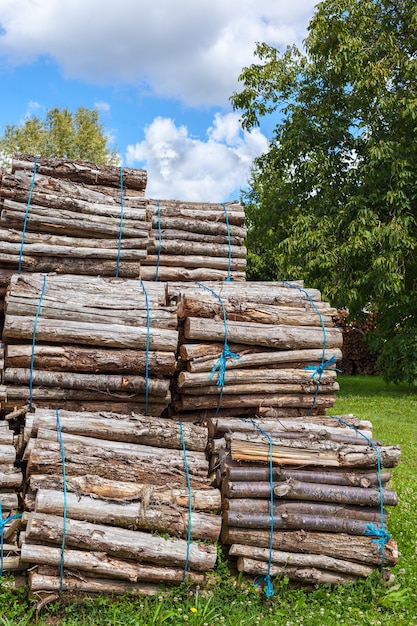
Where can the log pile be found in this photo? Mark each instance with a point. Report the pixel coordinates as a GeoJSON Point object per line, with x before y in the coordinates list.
{"type": "Point", "coordinates": [324, 491]}
{"type": "Point", "coordinates": [126, 520]}
{"type": "Point", "coordinates": [71, 217]}
{"type": "Point", "coordinates": [11, 479]}
{"type": "Point", "coordinates": [195, 241]}
{"type": "Point", "coordinates": [88, 343]}
{"type": "Point", "coordinates": [357, 357]}
{"type": "Point", "coordinates": [261, 337]}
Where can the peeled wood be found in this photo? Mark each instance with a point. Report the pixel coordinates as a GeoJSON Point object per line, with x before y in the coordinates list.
{"type": "Point", "coordinates": [100, 564]}
{"type": "Point", "coordinates": [164, 273]}
{"type": "Point", "coordinates": [195, 248]}
{"type": "Point", "coordinates": [78, 359]}
{"type": "Point", "coordinates": [284, 337]}
{"type": "Point", "coordinates": [294, 507]}
{"type": "Point", "coordinates": [295, 559]}
{"type": "Point", "coordinates": [306, 575]}
{"type": "Point", "coordinates": [73, 251]}
{"type": "Point", "coordinates": [364, 478]}
{"type": "Point", "coordinates": [82, 171]}
{"type": "Point", "coordinates": [134, 428]}
{"type": "Point", "coordinates": [297, 490]}
{"type": "Point", "coordinates": [105, 335]}
{"type": "Point", "coordinates": [337, 545]}
{"type": "Point", "coordinates": [144, 547]}
{"type": "Point", "coordinates": [165, 518]}
{"type": "Point", "coordinates": [203, 499]}
{"type": "Point", "coordinates": [252, 376]}
{"type": "Point", "coordinates": [193, 261]}
{"type": "Point", "coordinates": [41, 582]}
{"type": "Point", "coordinates": [101, 382]}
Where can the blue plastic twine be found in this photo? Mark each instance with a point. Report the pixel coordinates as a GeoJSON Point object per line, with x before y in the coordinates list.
{"type": "Point", "coordinates": [32, 360]}
{"type": "Point", "coordinates": [119, 244]}
{"type": "Point", "coordinates": [27, 215]}
{"type": "Point", "coordinates": [159, 241]}
{"type": "Point", "coordinates": [229, 265]}
{"type": "Point", "coordinates": [190, 502]}
{"type": "Point", "coordinates": [64, 481]}
{"type": "Point", "coordinates": [148, 341]}
{"type": "Point", "coordinates": [318, 370]}
{"type": "Point", "coordinates": [3, 523]}
{"type": "Point", "coordinates": [380, 534]}
{"type": "Point", "coordinates": [269, 589]}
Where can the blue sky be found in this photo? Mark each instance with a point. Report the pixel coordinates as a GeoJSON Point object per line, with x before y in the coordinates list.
{"type": "Point", "coordinates": [160, 72]}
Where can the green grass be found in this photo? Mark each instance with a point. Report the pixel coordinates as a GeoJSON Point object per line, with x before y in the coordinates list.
{"type": "Point", "coordinates": [393, 412]}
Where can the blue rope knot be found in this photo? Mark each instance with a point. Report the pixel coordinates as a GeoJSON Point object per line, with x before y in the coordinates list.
{"type": "Point", "coordinates": [269, 589]}
{"type": "Point", "coordinates": [380, 534]}
{"type": "Point", "coordinates": [318, 370]}
{"type": "Point", "coordinates": [221, 363]}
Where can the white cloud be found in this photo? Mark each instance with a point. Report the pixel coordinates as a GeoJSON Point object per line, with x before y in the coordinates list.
{"type": "Point", "coordinates": [103, 107]}
{"type": "Point", "coordinates": [191, 51]}
{"type": "Point", "coordinates": [183, 167]}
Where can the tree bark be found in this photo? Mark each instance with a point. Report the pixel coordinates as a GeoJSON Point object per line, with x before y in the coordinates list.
{"type": "Point", "coordinates": [187, 274]}
{"type": "Point", "coordinates": [312, 575]}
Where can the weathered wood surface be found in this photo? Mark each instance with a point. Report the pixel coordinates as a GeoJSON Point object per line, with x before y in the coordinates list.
{"type": "Point", "coordinates": [7, 454]}
{"type": "Point", "coordinates": [315, 523]}
{"type": "Point", "coordinates": [230, 211]}
{"type": "Point", "coordinates": [59, 265]}
{"type": "Point", "coordinates": [284, 337]}
{"type": "Point", "coordinates": [255, 401]}
{"type": "Point", "coordinates": [266, 389]}
{"type": "Point", "coordinates": [10, 476]}
{"type": "Point", "coordinates": [134, 428]}
{"type": "Point", "coordinates": [77, 249]}
{"type": "Point", "coordinates": [79, 359]}
{"type": "Point", "coordinates": [39, 583]}
{"type": "Point", "coordinates": [296, 559]}
{"type": "Point", "coordinates": [187, 274]}
{"type": "Point", "coordinates": [194, 248]}
{"type": "Point", "coordinates": [141, 546]}
{"type": "Point", "coordinates": [254, 447]}
{"type": "Point", "coordinates": [100, 564]}
{"type": "Point", "coordinates": [165, 518]}
{"type": "Point", "coordinates": [296, 490]}
{"type": "Point", "coordinates": [9, 501]}
{"type": "Point", "coordinates": [260, 375]}
{"type": "Point", "coordinates": [199, 226]}
{"type": "Point", "coordinates": [82, 171]}
{"type": "Point", "coordinates": [337, 545]}
{"type": "Point", "coordinates": [310, 575]}
{"type": "Point", "coordinates": [203, 499]}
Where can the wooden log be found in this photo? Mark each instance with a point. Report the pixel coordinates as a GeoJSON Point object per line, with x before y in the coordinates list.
{"type": "Point", "coordinates": [337, 545]}
{"type": "Point", "coordinates": [266, 389]}
{"type": "Point", "coordinates": [251, 376]}
{"type": "Point", "coordinates": [13, 564]}
{"type": "Point", "coordinates": [82, 171]}
{"type": "Point", "coordinates": [78, 359]}
{"type": "Point", "coordinates": [9, 501]}
{"type": "Point", "coordinates": [7, 454]}
{"type": "Point", "coordinates": [295, 559]}
{"type": "Point", "coordinates": [193, 261]}
{"type": "Point", "coordinates": [293, 507]}
{"type": "Point", "coordinates": [238, 310]}
{"type": "Point", "coordinates": [165, 273]}
{"type": "Point", "coordinates": [251, 447]}
{"type": "Point", "coordinates": [6, 436]}
{"type": "Point", "coordinates": [102, 565]}
{"type": "Point", "coordinates": [85, 333]}
{"type": "Point", "coordinates": [195, 248]}
{"type": "Point", "coordinates": [199, 226]}
{"type": "Point", "coordinates": [45, 583]}
{"type": "Point", "coordinates": [133, 515]}
{"type": "Point", "coordinates": [135, 428]}
{"type": "Point", "coordinates": [127, 269]}
{"type": "Point", "coordinates": [141, 546]}
{"type": "Point", "coordinates": [203, 499]}
{"type": "Point", "coordinates": [364, 478]}
{"type": "Point", "coordinates": [10, 476]}
{"type": "Point", "coordinates": [72, 250]}
{"type": "Point", "coordinates": [230, 211]}
{"type": "Point", "coordinates": [293, 489]}
{"type": "Point", "coordinates": [97, 382]}
{"type": "Point", "coordinates": [171, 235]}
{"type": "Point", "coordinates": [284, 337]}
{"type": "Point", "coordinates": [254, 401]}
{"type": "Point", "coordinates": [312, 575]}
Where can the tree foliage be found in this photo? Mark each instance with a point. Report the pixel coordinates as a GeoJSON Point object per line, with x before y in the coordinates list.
{"type": "Point", "coordinates": [334, 200]}
{"type": "Point", "coordinates": [78, 136]}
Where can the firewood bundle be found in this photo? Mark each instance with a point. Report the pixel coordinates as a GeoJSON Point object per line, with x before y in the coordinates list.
{"type": "Point", "coordinates": [245, 347]}
{"type": "Point", "coordinates": [195, 241]}
{"type": "Point", "coordinates": [10, 485]}
{"type": "Point", "coordinates": [319, 517]}
{"type": "Point", "coordinates": [357, 357]}
{"type": "Point", "coordinates": [88, 342]}
{"type": "Point", "coordinates": [72, 217]}
{"type": "Point", "coordinates": [126, 521]}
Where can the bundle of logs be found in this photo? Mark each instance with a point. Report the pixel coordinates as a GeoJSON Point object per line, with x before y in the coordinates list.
{"type": "Point", "coordinates": [318, 517]}
{"type": "Point", "coordinates": [244, 348]}
{"type": "Point", "coordinates": [88, 343]}
{"type": "Point", "coordinates": [128, 484]}
{"type": "Point", "coordinates": [11, 479]}
{"type": "Point", "coordinates": [357, 357]}
{"type": "Point", "coordinates": [67, 217]}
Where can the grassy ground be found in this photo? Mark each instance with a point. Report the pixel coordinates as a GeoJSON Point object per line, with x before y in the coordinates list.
{"type": "Point", "coordinates": [393, 412]}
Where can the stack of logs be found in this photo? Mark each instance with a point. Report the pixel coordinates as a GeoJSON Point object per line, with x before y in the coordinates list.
{"type": "Point", "coordinates": [11, 479]}
{"type": "Point", "coordinates": [126, 521]}
{"type": "Point", "coordinates": [88, 343]}
{"type": "Point", "coordinates": [274, 331]}
{"type": "Point", "coordinates": [357, 357]}
{"type": "Point", "coordinates": [195, 241]}
{"type": "Point", "coordinates": [310, 521]}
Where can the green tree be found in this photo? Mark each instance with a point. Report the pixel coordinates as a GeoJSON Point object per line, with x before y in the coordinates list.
{"type": "Point", "coordinates": [62, 133]}
{"type": "Point", "coordinates": [334, 200]}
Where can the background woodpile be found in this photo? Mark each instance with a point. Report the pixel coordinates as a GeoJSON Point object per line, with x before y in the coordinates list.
{"type": "Point", "coordinates": [122, 353]}
{"type": "Point", "coordinates": [357, 357]}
